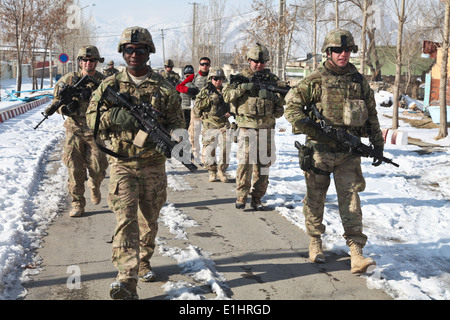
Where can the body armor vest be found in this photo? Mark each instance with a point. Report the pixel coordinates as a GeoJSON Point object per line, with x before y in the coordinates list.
{"type": "Point", "coordinates": [342, 102]}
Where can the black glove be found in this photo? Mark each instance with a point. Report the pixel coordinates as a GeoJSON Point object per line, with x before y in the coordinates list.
{"type": "Point", "coordinates": [163, 149]}
{"type": "Point", "coordinates": [378, 150]}
{"type": "Point", "coordinates": [70, 108]}
{"type": "Point", "coordinates": [192, 91]}
{"type": "Point", "coordinates": [86, 94]}
{"type": "Point", "coordinates": [123, 118]}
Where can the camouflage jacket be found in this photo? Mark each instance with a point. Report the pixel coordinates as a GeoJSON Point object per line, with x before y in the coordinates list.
{"type": "Point", "coordinates": [155, 90]}
{"type": "Point", "coordinates": [206, 106]}
{"type": "Point", "coordinates": [110, 71]}
{"type": "Point", "coordinates": [330, 92]}
{"type": "Point", "coordinates": [250, 110]}
{"type": "Point", "coordinates": [76, 122]}
{"type": "Point", "coordinates": [172, 77]}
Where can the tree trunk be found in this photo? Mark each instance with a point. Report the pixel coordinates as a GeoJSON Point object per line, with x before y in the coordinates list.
{"type": "Point", "coordinates": [398, 68]}
{"type": "Point", "coordinates": [443, 127]}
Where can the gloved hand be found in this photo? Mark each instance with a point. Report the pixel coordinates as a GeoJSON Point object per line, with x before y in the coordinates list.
{"type": "Point", "coordinates": [123, 118]}
{"type": "Point", "coordinates": [250, 86]}
{"type": "Point", "coordinates": [305, 128]}
{"type": "Point", "coordinates": [70, 108]}
{"type": "Point", "coordinates": [86, 94]}
{"type": "Point", "coordinates": [266, 94]}
{"type": "Point", "coordinates": [163, 149]}
{"type": "Point", "coordinates": [378, 150]}
{"type": "Point", "coordinates": [192, 91]}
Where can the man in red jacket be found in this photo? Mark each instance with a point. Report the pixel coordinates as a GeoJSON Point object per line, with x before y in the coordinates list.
{"type": "Point", "coordinates": [192, 86]}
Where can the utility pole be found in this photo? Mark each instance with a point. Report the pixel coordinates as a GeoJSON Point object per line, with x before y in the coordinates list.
{"type": "Point", "coordinates": [315, 36]}
{"type": "Point", "coordinates": [162, 39]}
{"type": "Point", "coordinates": [194, 44]}
{"type": "Point", "coordinates": [336, 17]}
{"type": "Point", "coordinates": [281, 27]}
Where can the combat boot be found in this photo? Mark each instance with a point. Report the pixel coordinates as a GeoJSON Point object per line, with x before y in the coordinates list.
{"type": "Point", "coordinates": [359, 263]}
{"type": "Point", "coordinates": [122, 291]}
{"type": "Point", "coordinates": [222, 176]}
{"type": "Point", "coordinates": [96, 196]}
{"type": "Point", "coordinates": [256, 204]}
{"type": "Point", "coordinates": [76, 212]}
{"type": "Point", "coordinates": [146, 273]}
{"type": "Point", "coordinates": [315, 250]}
{"type": "Point", "coordinates": [240, 202]}
{"type": "Point", "coordinates": [212, 176]}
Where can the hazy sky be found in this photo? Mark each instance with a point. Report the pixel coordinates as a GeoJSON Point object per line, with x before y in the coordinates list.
{"type": "Point", "coordinates": [111, 17]}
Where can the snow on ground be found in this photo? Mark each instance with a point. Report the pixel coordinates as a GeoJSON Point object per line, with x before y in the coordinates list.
{"type": "Point", "coordinates": [405, 209]}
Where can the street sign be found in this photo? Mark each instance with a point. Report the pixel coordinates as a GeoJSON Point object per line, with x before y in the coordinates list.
{"type": "Point", "coordinates": [63, 58]}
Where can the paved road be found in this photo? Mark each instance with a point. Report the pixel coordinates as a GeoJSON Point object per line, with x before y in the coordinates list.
{"type": "Point", "coordinates": [261, 255]}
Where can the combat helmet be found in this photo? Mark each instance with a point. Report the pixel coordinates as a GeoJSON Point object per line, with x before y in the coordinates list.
{"type": "Point", "coordinates": [216, 72]}
{"type": "Point", "coordinates": [136, 35]}
{"type": "Point", "coordinates": [339, 38]}
{"type": "Point", "coordinates": [169, 63]}
{"type": "Point", "coordinates": [258, 52]}
{"type": "Point", "coordinates": [188, 69]}
{"type": "Point", "coordinates": [90, 52]}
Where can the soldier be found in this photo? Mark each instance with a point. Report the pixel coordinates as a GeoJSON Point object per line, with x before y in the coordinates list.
{"type": "Point", "coordinates": [256, 111]}
{"type": "Point", "coordinates": [192, 86]}
{"type": "Point", "coordinates": [169, 74]}
{"type": "Point", "coordinates": [110, 70]}
{"type": "Point", "coordinates": [137, 189]}
{"type": "Point", "coordinates": [336, 88]}
{"type": "Point", "coordinates": [187, 100]}
{"type": "Point", "coordinates": [214, 112]}
{"type": "Point", "coordinates": [81, 154]}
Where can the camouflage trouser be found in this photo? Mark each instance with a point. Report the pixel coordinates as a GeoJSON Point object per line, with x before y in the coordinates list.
{"type": "Point", "coordinates": [256, 153]}
{"type": "Point", "coordinates": [348, 180]}
{"type": "Point", "coordinates": [195, 129]}
{"type": "Point", "coordinates": [82, 157]}
{"type": "Point", "coordinates": [136, 196]}
{"type": "Point", "coordinates": [211, 140]}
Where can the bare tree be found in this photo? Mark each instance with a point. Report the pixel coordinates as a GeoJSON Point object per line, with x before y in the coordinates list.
{"type": "Point", "coordinates": [401, 21]}
{"type": "Point", "coordinates": [19, 18]}
{"type": "Point", "coordinates": [443, 127]}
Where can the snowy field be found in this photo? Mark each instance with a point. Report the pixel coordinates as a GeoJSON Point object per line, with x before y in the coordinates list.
{"type": "Point", "coordinates": [405, 209]}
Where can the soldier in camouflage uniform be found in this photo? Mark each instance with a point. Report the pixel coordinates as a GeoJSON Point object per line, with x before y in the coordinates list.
{"type": "Point", "coordinates": [187, 100]}
{"type": "Point", "coordinates": [344, 98]}
{"type": "Point", "coordinates": [215, 128]}
{"type": "Point", "coordinates": [110, 70]}
{"type": "Point", "coordinates": [169, 74]}
{"type": "Point", "coordinates": [192, 86]}
{"type": "Point", "coordinates": [256, 111]}
{"type": "Point", "coordinates": [81, 154]}
{"type": "Point", "coordinates": [137, 189]}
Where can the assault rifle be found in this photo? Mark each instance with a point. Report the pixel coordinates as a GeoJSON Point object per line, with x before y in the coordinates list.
{"type": "Point", "coordinates": [147, 117]}
{"type": "Point", "coordinates": [66, 93]}
{"type": "Point", "coordinates": [344, 138]}
{"type": "Point", "coordinates": [223, 107]}
{"type": "Point", "coordinates": [262, 82]}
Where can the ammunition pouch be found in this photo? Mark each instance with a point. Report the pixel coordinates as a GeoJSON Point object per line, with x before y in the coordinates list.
{"type": "Point", "coordinates": [305, 157]}
{"type": "Point", "coordinates": [257, 107]}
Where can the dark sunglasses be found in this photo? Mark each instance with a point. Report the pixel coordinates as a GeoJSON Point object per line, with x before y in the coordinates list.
{"type": "Point", "coordinates": [131, 50]}
{"type": "Point", "coordinates": [205, 64]}
{"type": "Point", "coordinates": [340, 49]}
{"type": "Point", "coordinates": [90, 60]}
{"type": "Point", "coordinates": [217, 78]}
{"type": "Point", "coordinates": [258, 61]}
